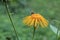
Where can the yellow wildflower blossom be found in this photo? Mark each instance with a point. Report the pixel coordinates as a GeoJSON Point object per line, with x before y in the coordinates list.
{"type": "Point", "coordinates": [35, 20]}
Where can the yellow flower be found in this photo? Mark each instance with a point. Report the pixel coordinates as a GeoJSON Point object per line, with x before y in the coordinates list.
{"type": "Point", "coordinates": [35, 20]}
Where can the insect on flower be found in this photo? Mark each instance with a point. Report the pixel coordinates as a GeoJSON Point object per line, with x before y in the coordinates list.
{"type": "Point", "coordinates": [35, 20]}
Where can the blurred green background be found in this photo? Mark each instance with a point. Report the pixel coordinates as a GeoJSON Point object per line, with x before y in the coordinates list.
{"type": "Point", "coordinates": [50, 9]}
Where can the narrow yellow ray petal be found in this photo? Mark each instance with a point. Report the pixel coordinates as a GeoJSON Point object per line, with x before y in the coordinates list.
{"type": "Point", "coordinates": [32, 23]}
{"type": "Point", "coordinates": [44, 22]}
{"type": "Point", "coordinates": [41, 23]}
{"type": "Point", "coordinates": [26, 19]}
{"type": "Point", "coordinates": [29, 22]}
{"type": "Point", "coordinates": [36, 22]}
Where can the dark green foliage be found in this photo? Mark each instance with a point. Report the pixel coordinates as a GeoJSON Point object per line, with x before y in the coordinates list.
{"type": "Point", "coordinates": [50, 9]}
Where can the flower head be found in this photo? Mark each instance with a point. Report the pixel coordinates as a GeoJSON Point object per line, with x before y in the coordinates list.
{"type": "Point", "coordinates": [35, 20]}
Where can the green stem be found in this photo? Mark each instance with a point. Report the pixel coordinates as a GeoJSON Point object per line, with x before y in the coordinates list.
{"type": "Point", "coordinates": [7, 9]}
{"type": "Point", "coordinates": [33, 33]}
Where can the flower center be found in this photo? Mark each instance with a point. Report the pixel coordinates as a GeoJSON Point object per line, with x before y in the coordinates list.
{"type": "Point", "coordinates": [35, 16]}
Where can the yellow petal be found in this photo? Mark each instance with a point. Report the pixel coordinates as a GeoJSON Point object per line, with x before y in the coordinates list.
{"type": "Point", "coordinates": [26, 19]}
{"type": "Point", "coordinates": [41, 23]}
{"type": "Point", "coordinates": [44, 21]}
{"type": "Point", "coordinates": [36, 22]}
{"type": "Point", "coordinates": [32, 23]}
{"type": "Point", "coordinates": [29, 22]}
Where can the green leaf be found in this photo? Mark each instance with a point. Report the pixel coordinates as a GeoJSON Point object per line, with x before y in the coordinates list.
{"type": "Point", "coordinates": [55, 30]}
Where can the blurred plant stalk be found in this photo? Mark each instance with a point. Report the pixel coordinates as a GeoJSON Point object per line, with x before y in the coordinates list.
{"type": "Point", "coordinates": [8, 12]}
{"type": "Point", "coordinates": [33, 33]}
